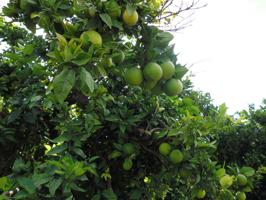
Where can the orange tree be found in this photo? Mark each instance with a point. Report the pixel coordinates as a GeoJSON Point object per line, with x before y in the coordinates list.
{"type": "Point", "coordinates": [96, 109]}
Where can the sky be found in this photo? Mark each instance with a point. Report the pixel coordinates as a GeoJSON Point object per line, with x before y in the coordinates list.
{"type": "Point", "coordinates": [226, 49]}
{"type": "Point", "coordinates": [226, 46]}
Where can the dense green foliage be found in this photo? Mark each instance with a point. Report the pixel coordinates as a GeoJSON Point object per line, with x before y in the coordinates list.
{"type": "Point", "coordinates": [244, 143]}
{"type": "Point", "coordinates": [72, 128]}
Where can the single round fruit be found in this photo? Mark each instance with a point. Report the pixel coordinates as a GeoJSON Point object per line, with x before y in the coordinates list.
{"type": "Point", "coordinates": [242, 179]}
{"type": "Point", "coordinates": [173, 87]}
{"type": "Point", "coordinates": [226, 181]}
{"type": "Point", "coordinates": [127, 164]}
{"type": "Point", "coordinates": [168, 70]}
{"type": "Point", "coordinates": [130, 19]}
{"type": "Point", "coordinates": [91, 36]}
{"type": "Point", "coordinates": [118, 57]}
{"type": "Point", "coordinates": [176, 156]}
{"type": "Point", "coordinates": [164, 148]}
{"type": "Point", "coordinates": [241, 196]}
{"type": "Point", "coordinates": [153, 71]}
{"type": "Point", "coordinates": [128, 149]}
{"type": "Point", "coordinates": [201, 194]}
{"type": "Point", "coordinates": [133, 76]}
{"type": "Point", "coordinates": [149, 84]}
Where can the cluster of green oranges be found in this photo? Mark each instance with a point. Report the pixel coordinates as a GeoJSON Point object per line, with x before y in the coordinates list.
{"type": "Point", "coordinates": [155, 77]}
{"type": "Point", "coordinates": [227, 181]}
{"type": "Point", "coordinates": [175, 156]}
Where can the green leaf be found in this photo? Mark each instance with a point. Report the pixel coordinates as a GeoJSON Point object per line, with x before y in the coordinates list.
{"type": "Point", "coordinates": [82, 59]}
{"type": "Point", "coordinates": [248, 171]}
{"type": "Point", "coordinates": [101, 70]}
{"type": "Point", "coordinates": [117, 24]}
{"type": "Point", "coordinates": [246, 189]}
{"type": "Point", "coordinates": [92, 170]}
{"type": "Point", "coordinates": [27, 184]}
{"type": "Point", "coordinates": [96, 197]}
{"type": "Point", "coordinates": [53, 185]}
{"type": "Point", "coordinates": [135, 195]}
{"type": "Point", "coordinates": [220, 172]}
{"type": "Point", "coordinates": [180, 71]}
{"type": "Point", "coordinates": [57, 149]}
{"type": "Point", "coordinates": [61, 40]}
{"type": "Point", "coordinates": [114, 154]}
{"type": "Point", "coordinates": [109, 194]}
{"type": "Point", "coordinates": [63, 83]}
{"type": "Point", "coordinates": [28, 49]}
{"type": "Point", "coordinates": [162, 39]}
{"type": "Point", "coordinates": [13, 116]}
{"type": "Point", "coordinates": [86, 79]}
{"type": "Point", "coordinates": [107, 19]}
{"type": "Point", "coordinates": [68, 54]}
{"type": "Point", "coordinates": [40, 179]}
{"type": "Point", "coordinates": [22, 194]}
{"type": "Point", "coordinates": [5, 184]}
{"type": "Point", "coordinates": [131, 9]}
{"type": "Point", "coordinates": [79, 152]}
{"type": "Point", "coordinates": [3, 197]}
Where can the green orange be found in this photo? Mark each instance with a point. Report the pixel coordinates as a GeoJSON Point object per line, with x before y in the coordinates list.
{"type": "Point", "coordinates": [130, 18]}
{"type": "Point", "coordinates": [168, 69]}
{"type": "Point", "coordinates": [91, 36]}
{"type": "Point", "coordinates": [226, 181]}
{"type": "Point", "coordinates": [242, 179]}
{"type": "Point", "coordinates": [133, 76]}
{"type": "Point", "coordinates": [201, 194]}
{"type": "Point", "coordinates": [127, 164]}
{"type": "Point", "coordinates": [176, 156]}
{"type": "Point", "coordinates": [165, 148]}
{"type": "Point", "coordinates": [241, 196]}
{"type": "Point", "coordinates": [153, 71]}
{"type": "Point", "coordinates": [173, 87]}
{"type": "Point", "coordinates": [129, 148]}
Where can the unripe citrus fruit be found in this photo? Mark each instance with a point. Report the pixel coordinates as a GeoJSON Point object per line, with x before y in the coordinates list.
{"type": "Point", "coordinates": [107, 62]}
{"type": "Point", "coordinates": [91, 36]}
{"type": "Point", "coordinates": [165, 148]}
{"type": "Point", "coordinates": [201, 194]}
{"type": "Point", "coordinates": [176, 156]}
{"type": "Point", "coordinates": [130, 19]}
{"type": "Point", "coordinates": [168, 70]}
{"type": "Point", "coordinates": [127, 164]}
{"type": "Point", "coordinates": [173, 87]}
{"type": "Point", "coordinates": [153, 71]}
{"type": "Point", "coordinates": [149, 84]}
{"type": "Point", "coordinates": [133, 76]}
{"type": "Point", "coordinates": [128, 149]}
{"type": "Point", "coordinates": [226, 181]}
{"type": "Point", "coordinates": [118, 57]}
{"type": "Point", "coordinates": [241, 196]}
{"type": "Point", "coordinates": [242, 179]}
